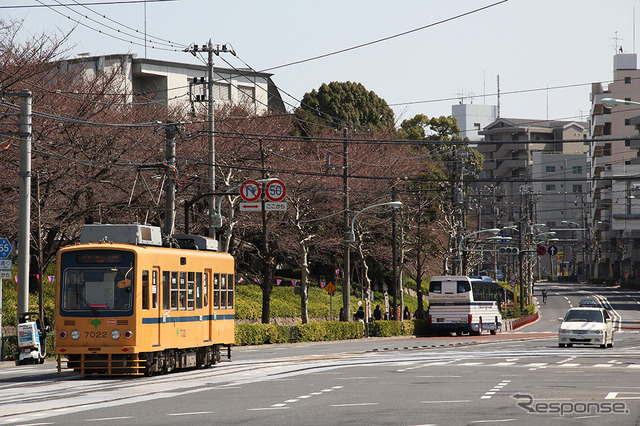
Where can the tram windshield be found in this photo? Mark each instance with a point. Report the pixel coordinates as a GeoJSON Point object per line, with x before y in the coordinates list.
{"type": "Point", "coordinates": [90, 287]}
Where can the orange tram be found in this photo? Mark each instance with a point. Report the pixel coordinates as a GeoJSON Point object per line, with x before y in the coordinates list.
{"type": "Point", "coordinates": [127, 305]}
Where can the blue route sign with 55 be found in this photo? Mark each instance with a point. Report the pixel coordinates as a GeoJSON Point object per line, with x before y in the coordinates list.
{"type": "Point", "coordinates": [5, 248]}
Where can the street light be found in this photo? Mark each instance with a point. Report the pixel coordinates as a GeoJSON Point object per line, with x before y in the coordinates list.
{"type": "Point", "coordinates": [350, 238]}
{"type": "Point", "coordinates": [466, 237]}
{"type": "Point", "coordinates": [611, 102]}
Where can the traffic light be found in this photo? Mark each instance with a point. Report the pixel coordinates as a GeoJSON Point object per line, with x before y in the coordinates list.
{"type": "Point", "coordinates": [509, 251]}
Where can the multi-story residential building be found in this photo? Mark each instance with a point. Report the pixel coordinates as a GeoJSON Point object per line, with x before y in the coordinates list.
{"type": "Point", "coordinates": [472, 118]}
{"type": "Point", "coordinates": [544, 164]}
{"type": "Point", "coordinates": [183, 85]}
{"type": "Point", "coordinates": [614, 151]}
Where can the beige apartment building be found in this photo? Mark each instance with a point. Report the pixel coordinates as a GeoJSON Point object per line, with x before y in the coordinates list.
{"type": "Point", "coordinates": [615, 165]}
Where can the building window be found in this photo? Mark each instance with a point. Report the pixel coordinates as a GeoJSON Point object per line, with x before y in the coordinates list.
{"type": "Point", "coordinates": [627, 121]}
{"type": "Point", "coordinates": [221, 91]}
{"type": "Point", "coordinates": [551, 187]}
{"type": "Point", "coordinates": [476, 126]}
{"type": "Point", "coordinates": [606, 151]}
{"type": "Point", "coordinates": [627, 80]}
{"type": "Point", "coordinates": [627, 142]}
{"type": "Point", "coordinates": [577, 170]}
{"type": "Point", "coordinates": [577, 189]}
{"type": "Point", "coordinates": [551, 169]}
{"type": "Point", "coordinates": [247, 94]}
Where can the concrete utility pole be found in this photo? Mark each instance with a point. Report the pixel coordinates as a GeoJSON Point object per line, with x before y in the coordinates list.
{"type": "Point", "coordinates": [170, 193]}
{"type": "Point", "coordinates": [346, 273]}
{"type": "Point", "coordinates": [212, 143]}
{"type": "Point", "coordinates": [394, 236]}
{"type": "Point", "coordinates": [211, 126]}
{"type": "Point", "coordinates": [24, 231]}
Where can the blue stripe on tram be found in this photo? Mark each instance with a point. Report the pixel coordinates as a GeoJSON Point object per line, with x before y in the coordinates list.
{"type": "Point", "coordinates": [191, 318]}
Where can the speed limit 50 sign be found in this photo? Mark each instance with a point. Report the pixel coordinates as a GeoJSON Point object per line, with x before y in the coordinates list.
{"type": "Point", "coordinates": [275, 190]}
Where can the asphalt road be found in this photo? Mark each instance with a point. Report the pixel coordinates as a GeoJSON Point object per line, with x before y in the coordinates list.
{"type": "Point", "coordinates": [515, 377]}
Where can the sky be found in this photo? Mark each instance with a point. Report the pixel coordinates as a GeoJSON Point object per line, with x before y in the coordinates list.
{"type": "Point", "coordinates": [545, 52]}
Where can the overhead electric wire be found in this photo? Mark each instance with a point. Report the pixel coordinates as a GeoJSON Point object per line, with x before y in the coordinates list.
{"type": "Point", "coordinates": [103, 32]}
{"type": "Point", "coordinates": [99, 3]}
{"type": "Point", "coordinates": [387, 38]}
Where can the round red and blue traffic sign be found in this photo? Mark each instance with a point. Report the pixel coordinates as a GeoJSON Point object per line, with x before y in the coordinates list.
{"type": "Point", "coordinates": [275, 190]}
{"type": "Point", "coordinates": [250, 190]}
{"type": "Point", "coordinates": [541, 250]}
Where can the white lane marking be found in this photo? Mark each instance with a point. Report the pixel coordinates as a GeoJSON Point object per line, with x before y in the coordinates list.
{"type": "Point", "coordinates": [194, 413]}
{"type": "Point", "coordinates": [446, 402]}
{"type": "Point", "coordinates": [355, 404]}
{"type": "Point", "coordinates": [107, 419]}
{"type": "Point", "coordinates": [267, 408]}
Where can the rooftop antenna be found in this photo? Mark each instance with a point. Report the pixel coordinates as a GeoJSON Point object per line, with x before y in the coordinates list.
{"type": "Point", "coordinates": [616, 38]}
{"type": "Point", "coordinates": [484, 87]}
{"type": "Point", "coordinates": [498, 79]}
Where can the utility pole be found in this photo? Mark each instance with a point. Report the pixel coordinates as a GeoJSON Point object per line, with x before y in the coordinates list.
{"type": "Point", "coordinates": [346, 273]}
{"type": "Point", "coordinates": [210, 125]}
{"type": "Point", "coordinates": [170, 193]}
{"type": "Point", "coordinates": [24, 232]}
{"type": "Point", "coordinates": [394, 236]}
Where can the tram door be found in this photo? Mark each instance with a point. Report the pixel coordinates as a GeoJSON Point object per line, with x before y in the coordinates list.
{"type": "Point", "coordinates": [155, 304]}
{"type": "Point", "coordinates": [208, 303]}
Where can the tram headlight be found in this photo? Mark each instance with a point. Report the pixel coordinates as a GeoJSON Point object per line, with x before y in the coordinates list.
{"type": "Point", "coordinates": [75, 334]}
{"type": "Point", "coordinates": [63, 334]}
{"type": "Point", "coordinates": [115, 334]}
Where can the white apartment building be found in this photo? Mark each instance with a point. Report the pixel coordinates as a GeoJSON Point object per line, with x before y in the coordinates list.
{"type": "Point", "coordinates": [472, 118]}
{"type": "Point", "coordinates": [183, 85]}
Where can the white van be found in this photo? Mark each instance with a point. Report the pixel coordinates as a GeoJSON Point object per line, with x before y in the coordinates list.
{"type": "Point", "coordinates": [461, 305]}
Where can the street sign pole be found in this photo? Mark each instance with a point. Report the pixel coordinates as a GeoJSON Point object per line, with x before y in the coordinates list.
{"type": "Point", "coordinates": [5, 266]}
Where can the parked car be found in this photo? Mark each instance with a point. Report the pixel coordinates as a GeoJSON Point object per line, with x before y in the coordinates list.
{"type": "Point", "coordinates": [586, 326]}
{"type": "Point", "coordinates": [589, 303]}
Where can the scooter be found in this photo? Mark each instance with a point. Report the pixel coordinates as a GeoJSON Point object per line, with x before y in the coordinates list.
{"type": "Point", "coordinates": [32, 340]}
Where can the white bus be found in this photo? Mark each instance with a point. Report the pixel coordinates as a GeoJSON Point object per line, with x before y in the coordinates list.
{"type": "Point", "coordinates": [458, 304]}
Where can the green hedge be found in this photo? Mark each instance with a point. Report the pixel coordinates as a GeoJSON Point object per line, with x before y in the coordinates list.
{"type": "Point", "coordinates": [258, 334]}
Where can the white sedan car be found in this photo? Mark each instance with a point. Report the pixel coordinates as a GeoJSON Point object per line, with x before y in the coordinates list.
{"type": "Point", "coordinates": [586, 326]}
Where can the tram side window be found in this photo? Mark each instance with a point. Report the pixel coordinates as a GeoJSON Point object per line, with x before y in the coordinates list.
{"type": "Point", "coordinates": [206, 289]}
{"type": "Point", "coordinates": [230, 291]}
{"type": "Point", "coordinates": [145, 290]}
{"type": "Point", "coordinates": [166, 290]}
{"type": "Point", "coordinates": [174, 290]}
{"type": "Point", "coordinates": [154, 289]}
{"type": "Point", "coordinates": [198, 290]}
{"type": "Point", "coordinates": [191, 292]}
{"type": "Point", "coordinates": [183, 290]}
{"type": "Point", "coordinates": [223, 291]}
{"type": "Point", "coordinates": [216, 290]}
